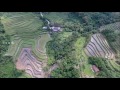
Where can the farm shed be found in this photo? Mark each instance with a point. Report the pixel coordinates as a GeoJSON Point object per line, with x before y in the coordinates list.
{"type": "Point", "coordinates": [95, 68]}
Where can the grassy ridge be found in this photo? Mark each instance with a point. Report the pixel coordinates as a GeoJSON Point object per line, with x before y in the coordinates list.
{"type": "Point", "coordinates": [85, 67]}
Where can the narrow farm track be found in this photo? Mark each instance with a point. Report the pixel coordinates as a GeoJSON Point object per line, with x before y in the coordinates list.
{"type": "Point", "coordinates": [99, 47]}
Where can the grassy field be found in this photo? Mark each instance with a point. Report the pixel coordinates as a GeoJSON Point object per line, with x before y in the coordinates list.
{"type": "Point", "coordinates": [12, 48]}
{"type": "Point", "coordinates": [8, 70]}
{"type": "Point", "coordinates": [20, 22]}
{"type": "Point", "coordinates": [82, 57]}
{"type": "Point", "coordinates": [24, 75]}
{"type": "Point", "coordinates": [57, 17]}
{"type": "Point", "coordinates": [115, 65]}
{"type": "Point", "coordinates": [63, 18]}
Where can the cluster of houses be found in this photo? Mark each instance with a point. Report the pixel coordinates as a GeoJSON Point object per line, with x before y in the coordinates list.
{"type": "Point", "coordinates": [54, 27]}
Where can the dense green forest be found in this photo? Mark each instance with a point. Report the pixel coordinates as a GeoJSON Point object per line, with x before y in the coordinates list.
{"type": "Point", "coordinates": [63, 52]}
{"type": "Point", "coordinates": [89, 23]}
{"type": "Point", "coordinates": [97, 19]}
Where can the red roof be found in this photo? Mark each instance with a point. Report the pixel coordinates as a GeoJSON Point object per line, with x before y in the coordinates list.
{"type": "Point", "coordinates": [95, 68]}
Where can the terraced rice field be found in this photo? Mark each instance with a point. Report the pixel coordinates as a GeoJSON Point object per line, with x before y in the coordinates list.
{"type": "Point", "coordinates": [20, 22]}
{"type": "Point", "coordinates": [99, 47]}
{"type": "Point", "coordinates": [27, 42]}
{"type": "Point", "coordinates": [12, 48]}
{"type": "Point", "coordinates": [37, 45]}
{"type": "Point", "coordinates": [26, 61]}
{"type": "Point", "coordinates": [42, 42]}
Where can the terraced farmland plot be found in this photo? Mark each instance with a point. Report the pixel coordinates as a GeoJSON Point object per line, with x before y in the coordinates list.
{"type": "Point", "coordinates": [35, 50]}
{"type": "Point", "coordinates": [12, 48]}
{"type": "Point", "coordinates": [41, 42]}
{"type": "Point", "coordinates": [30, 64]}
{"type": "Point", "coordinates": [98, 47]}
{"type": "Point", "coordinates": [36, 44]}
{"type": "Point", "coordinates": [31, 43]}
{"type": "Point", "coordinates": [20, 22]}
{"type": "Point", "coordinates": [57, 17]}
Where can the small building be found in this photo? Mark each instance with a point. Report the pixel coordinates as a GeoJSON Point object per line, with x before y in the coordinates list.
{"type": "Point", "coordinates": [55, 29]}
{"type": "Point", "coordinates": [95, 68]}
{"type": "Point", "coordinates": [45, 28]}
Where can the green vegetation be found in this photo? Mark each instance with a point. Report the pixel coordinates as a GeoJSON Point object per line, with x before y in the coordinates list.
{"type": "Point", "coordinates": [7, 68]}
{"type": "Point", "coordinates": [69, 54]}
{"type": "Point", "coordinates": [110, 35]}
{"type": "Point", "coordinates": [58, 17]}
{"type": "Point", "coordinates": [64, 53]}
{"type": "Point", "coordinates": [65, 48]}
{"type": "Point", "coordinates": [84, 66]}
{"type": "Point", "coordinates": [1, 28]}
{"type": "Point", "coordinates": [24, 30]}
{"type": "Point", "coordinates": [105, 70]}
{"type": "Point", "coordinates": [84, 25]}
{"type": "Point", "coordinates": [97, 19]}
{"type": "Point", "coordinates": [19, 23]}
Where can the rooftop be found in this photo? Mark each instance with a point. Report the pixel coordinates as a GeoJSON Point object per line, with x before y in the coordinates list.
{"type": "Point", "coordinates": [55, 28]}
{"type": "Point", "coordinates": [95, 68]}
